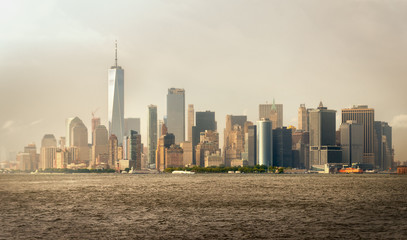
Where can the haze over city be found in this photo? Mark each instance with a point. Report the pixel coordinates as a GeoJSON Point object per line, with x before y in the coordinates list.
{"type": "Point", "coordinates": [229, 56]}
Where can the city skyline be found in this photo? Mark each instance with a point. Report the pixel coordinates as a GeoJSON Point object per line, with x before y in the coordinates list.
{"type": "Point", "coordinates": [46, 103]}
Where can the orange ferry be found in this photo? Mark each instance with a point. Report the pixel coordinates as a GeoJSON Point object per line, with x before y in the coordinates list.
{"type": "Point", "coordinates": [350, 170]}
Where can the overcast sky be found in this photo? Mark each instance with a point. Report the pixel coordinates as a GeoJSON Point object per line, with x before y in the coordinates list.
{"type": "Point", "coordinates": [229, 56]}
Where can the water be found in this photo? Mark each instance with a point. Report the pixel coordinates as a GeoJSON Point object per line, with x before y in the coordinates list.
{"type": "Point", "coordinates": [203, 206]}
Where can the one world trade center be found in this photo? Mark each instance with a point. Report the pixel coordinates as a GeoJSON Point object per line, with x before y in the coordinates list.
{"type": "Point", "coordinates": [116, 100]}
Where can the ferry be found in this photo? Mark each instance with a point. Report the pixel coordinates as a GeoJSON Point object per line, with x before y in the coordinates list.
{"type": "Point", "coordinates": [350, 170]}
{"type": "Point", "coordinates": [182, 172]}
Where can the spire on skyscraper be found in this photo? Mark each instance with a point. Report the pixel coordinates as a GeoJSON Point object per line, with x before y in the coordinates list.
{"type": "Point", "coordinates": [116, 54]}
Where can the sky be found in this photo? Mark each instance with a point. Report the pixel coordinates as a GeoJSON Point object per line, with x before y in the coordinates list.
{"type": "Point", "coordinates": [228, 55]}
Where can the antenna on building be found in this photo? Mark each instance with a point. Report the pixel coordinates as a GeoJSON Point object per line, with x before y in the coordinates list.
{"type": "Point", "coordinates": [116, 53]}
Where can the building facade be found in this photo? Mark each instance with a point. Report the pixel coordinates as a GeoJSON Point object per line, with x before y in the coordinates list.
{"type": "Point", "coordinates": [264, 142]}
{"type": "Point", "coordinates": [152, 134]}
{"type": "Point", "coordinates": [176, 113]}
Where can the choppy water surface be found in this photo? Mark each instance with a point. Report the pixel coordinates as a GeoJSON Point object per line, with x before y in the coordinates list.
{"type": "Point", "coordinates": [203, 206]}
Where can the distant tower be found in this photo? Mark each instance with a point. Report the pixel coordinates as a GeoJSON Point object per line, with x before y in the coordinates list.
{"type": "Point", "coordinates": [274, 112]}
{"type": "Point", "coordinates": [116, 100]}
{"type": "Point", "coordinates": [365, 116]}
{"type": "Point", "coordinates": [351, 134]}
{"type": "Point", "coordinates": [191, 121]}
{"type": "Point", "coordinates": [322, 128]}
{"type": "Point", "coordinates": [303, 119]}
{"type": "Point", "coordinates": [100, 147]}
{"type": "Point", "coordinates": [176, 113]}
{"type": "Point", "coordinates": [264, 142]}
{"type": "Point", "coordinates": [152, 134]}
{"type": "Point", "coordinates": [47, 152]}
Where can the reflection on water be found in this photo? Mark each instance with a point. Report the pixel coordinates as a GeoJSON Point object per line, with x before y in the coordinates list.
{"type": "Point", "coordinates": [203, 206]}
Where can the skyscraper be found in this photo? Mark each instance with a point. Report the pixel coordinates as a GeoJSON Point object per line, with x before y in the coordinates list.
{"type": "Point", "coordinates": [47, 152]}
{"type": "Point", "coordinates": [176, 113]}
{"type": "Point", "coordinates": [204, 121]}
{"type": "Point", "coordinates": [252, 145]}
{"type": "Point", "coordinates": [113, 152]}
{"type": "Point", "coordinates": [323, 149]}
{"type": "Point", "coordinates": [273, 112]}
{"type": "Point", "coordinates": [191, 121]}
{"type": "Point", "coordinates": [264, 142]}
{"type": "Point", "coordinates": [134, 148]}
{"type": "Point", "coordinates": [282, 147]}
{"type": "Point", "coordinates": [152, 134]}
{"type": "Point", "coordinates": [303, 119]}
{"type": "Point", "coordinates": [79, 139]}
{"type": "Point", "coordinates": [100, 148]}
{"type": "Point", "coordinates": [116, 100]}
{"type": "Point", "coordinates": [383, 145]}
{"type": "Point", "coordinates": [351, 142]}
{"type": "Point", "coordinates": [363, 115]}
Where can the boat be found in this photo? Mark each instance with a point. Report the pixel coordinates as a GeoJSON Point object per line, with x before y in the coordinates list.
{"type": "Point", "coordinates": [182, 172]}
{"type": "Point", "coordinates": [350, 170]}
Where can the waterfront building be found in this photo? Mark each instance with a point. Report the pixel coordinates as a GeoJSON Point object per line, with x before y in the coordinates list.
{"type": "Point", "coordinates": [191, 121]}
{"type": "Point", "coordinates": [94, 123]}
{"type": "Point", "coordinates": [234, 138]}
{"type": "Point", "coordinates": [47, 152]}
{"type": "Point", "coordinates": [134, 148]}
{"type": "Point", "coordinates": [116, 100]}
{"type": "Point", "coordinates": [209, 144]}
{"type": "Point", "coordinates": [252, 145]}
{"type": "Point", "coordinates": [384, 152]}
{"type": "Point", "coordinates": [188, 153]}
{"type": "Point", "coordinates": [79, 139]}
{"type": "Point", "coordinates": [174, 157]}
{"type": "Point", "coordinates": [323, 148]}
{"type": "Point", "coordinates": [272, 112]}
{"type": "Point", "coordinates": [264, 142]}
{"type": "Point", "coordinates": [113, 152]}
{"type": "Point", "coordinates": [364, 115]}
{"type": "Point", "coordinates": [100, 147]}
{"type": "Point", "coordinates": [300, 145]}
{"type": "Point", "coordinates": [69, 123]}
{"type": "Point", "coordinates": [303, 119]}
{"type": "Point", "coordinates": [282, 147]}
{"type": "Point", "coordinates": [152, 134]}
{"type": "Point", "coordinates": [176, 113]}
{"type": "Point", "coordinates": [351, 135]}
{"type": "Point", "coordinates": [204, 121]}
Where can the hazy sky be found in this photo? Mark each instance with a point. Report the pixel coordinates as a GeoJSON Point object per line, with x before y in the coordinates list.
{"type": "Point", "coordinates": [228, 55]}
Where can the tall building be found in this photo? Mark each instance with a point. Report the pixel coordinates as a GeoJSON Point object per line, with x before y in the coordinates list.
{"type": "Point", "coordinates": [152, 134]}
{"type": "Point", "coordinates": [113, 152]}
{"type": "Point", "coordinates": [47, 152]}
{"type": "Point", "coordinates": [176, 113]}
{"type": "Point", "coordinates": [100, 147]}
{"type": "Point", "coordinates": [131, 124]}
{"type": "Point", "coordinates": [95, 122]}
{"type": "Point", "coordinates": [264, 142]}
{"type": "Point", "coordinates": [252, 145]}
{"type": "Point", "coordinates": [134, 148]}
{"type": "Point", "coordinates": [303, 119]}
{"type": "Point", "coordinates": [322, 127]}
{"type": "Point", "coordinates": [351, 135]}
{"type": "Point", "coordinates": [384, 152]}
{"type": "Point", "coordinates": [188, 153]}
{"type": "Point", "coordinates": [364, 115]}
{"type": "Point", "coordinates": [69, 123]}
{"type": "Point", "coordinates": [164, 142]}
{"type": "Point", "coordinates": [203, 121]}
{"type": "Point", "coordinates": [273, 112]}
{"type": "Point", "coordinates": [234, 138]}
{"type": "Point", "coordinates": [116, 100]}
{"type": "Point", "coordinates": [208, 145]}
{"type": "Point", "coordinates": [79, 139]}
{"type": "Point", "coordinates": [300, 141]}
{"type": "Point", "coordinates": [282, 147]}
{"type": "Point", "coordinates": [191, 121]}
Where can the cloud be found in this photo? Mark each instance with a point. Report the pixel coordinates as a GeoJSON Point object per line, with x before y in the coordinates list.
{"type": "Point", "coordinates": [399, 121]}
{"type": "Point", "coordinates": [8, 124]}
{"type": "Point", "coordinates": [36, 122]}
